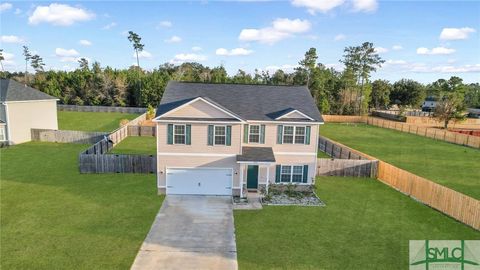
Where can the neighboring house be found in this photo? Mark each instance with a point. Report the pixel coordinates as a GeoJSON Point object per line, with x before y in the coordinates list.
{"type": "Point", "coordinates": [429, 104]}
{"type": "Point", "coordinates": [23, 108]}
{"type": "Point", "coordinates": [222, 139]}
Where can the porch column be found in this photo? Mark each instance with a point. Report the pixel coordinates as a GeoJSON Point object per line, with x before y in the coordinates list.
{"type": "Point", "coordinates": [268, 178]}
{"type": "Point", "coordinates": [241, 180]}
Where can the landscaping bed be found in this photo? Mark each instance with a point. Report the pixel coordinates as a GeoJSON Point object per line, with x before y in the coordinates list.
{"type": "Point", "coordinates": [451, 165]}
{"type": "Point", "coordinates": [290, 196]}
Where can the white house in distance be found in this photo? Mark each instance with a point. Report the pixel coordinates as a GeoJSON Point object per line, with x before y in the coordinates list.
{"type": "Point", "coordinates": [23, 108]}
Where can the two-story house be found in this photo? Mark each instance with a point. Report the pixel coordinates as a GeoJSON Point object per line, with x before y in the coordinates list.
{"type": "Point", "coordinates": [225, 139]}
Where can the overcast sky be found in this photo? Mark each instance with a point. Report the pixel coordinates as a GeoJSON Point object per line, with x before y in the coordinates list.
{"type": "Point", "coordinates": [419, 40]}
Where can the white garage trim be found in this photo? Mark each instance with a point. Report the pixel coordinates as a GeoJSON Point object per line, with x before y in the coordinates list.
{"type": "Point", "coordinates": [230, 170]}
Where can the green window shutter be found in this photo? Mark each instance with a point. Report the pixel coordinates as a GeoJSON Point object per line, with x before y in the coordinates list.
{"type": "Point", "coordinates": [307, 135]}
{"type": "Point", "coordinates": [228, 138]}
{"type": "Point", "coordinates": [188, 134]}
{"type": "Point", "coordinates": [279, 134]}
{"type": "Point", "coordinates": [277, 173]}
{"type": "Point", "coordinates": [262, 134]}
{"type": "Point", "coordinates": [245, 133]}
{"type": "Point", "coordinates": [170, 134]}
{"type": "Point", "coordinates": [210, 134]}
{"type": "Point", "coordinates": [305, 173]}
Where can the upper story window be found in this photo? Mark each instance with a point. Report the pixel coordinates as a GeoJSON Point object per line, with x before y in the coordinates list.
{"type": "Point", "coordinates": [254, 134]}
{"type": "Point", "coordinates": [294, 134]}
{"type": "Point", "coordinates": [220, 135]}
{"type": "Point", "coordinates": [179, 134]}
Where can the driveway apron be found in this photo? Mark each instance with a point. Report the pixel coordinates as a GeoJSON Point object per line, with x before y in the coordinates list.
{"type": "Point", "coordinates": [190, 232]}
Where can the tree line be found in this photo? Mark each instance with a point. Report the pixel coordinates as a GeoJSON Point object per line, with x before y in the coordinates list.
{"type": "Point", "coordinates": [348, 92]}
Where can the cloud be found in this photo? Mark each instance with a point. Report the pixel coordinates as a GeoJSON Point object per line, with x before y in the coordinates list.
{"type": "Point", "coordinates": [165, 24]}
{"type": "Point", "coordinates": [281, 28]}
{"type": "Point", "coordinates": [365, 5]}
{"type": "Point", "coordinates": [17, 11]}
{"type": "Point", "coordinates": [435, 51]}
{"type": "Point", "coordinates": [8, 59]}
{"type": "Point", "coordinates": [456, 33]}
{"type": "Point", "coordinates": [397, 47]}
{"type": "Point", "coordinates": [11, 39]}
{"type": "Point", "coordinates": [286, 68]}
{"type": "Point", "coordinates": [5, 6]}
{"type": "Point", "coordinates": [143, 55]}
{"type": "Point", "coordinates": [395, 62]}
{"type": "Point", "coordinates": [173, 39]}
{"type": "Point", "coordinates": [188, 57]}
{"type": "Point", "coordinates": [456, 69]}
{"type": "Point", "coordinates": [85, 42]}
{"type": "Point", "coordinates": [339, 37]}
{"type": "Point", "coordinates": [109, 26]}
{"type": "Point", "coordinates": [196, 49]}
{"type": "Point", "coordinates": [381, 50]}
{"type": "Point", "coordinates": [314, 6]}
{"type": "Point", "coordinates": [233, 52]}
{"type": "Point", "coordinates": [335, 66]}
{"type": "Point", "coordinates": [67, 55]}
{"type": "Point", "coordinates": [59, 14]}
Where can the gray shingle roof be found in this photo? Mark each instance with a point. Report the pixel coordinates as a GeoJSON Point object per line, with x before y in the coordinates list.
{"type": "Point", "coordinates": [250, 102]}
{"type": "Point", "coordinates": [256, 154]}
{"type": "Point", "coordinates": [11, 90]}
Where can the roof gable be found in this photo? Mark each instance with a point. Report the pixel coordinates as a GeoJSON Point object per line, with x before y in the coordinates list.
{"type": "Point", "coordinates": [293, 114]}
{"type": "Point", "coordinates": [201, 108]}
{"type": "Point", "coordinates": [249, 102]}
{"type": "Point", "coordinates": [11, 90]}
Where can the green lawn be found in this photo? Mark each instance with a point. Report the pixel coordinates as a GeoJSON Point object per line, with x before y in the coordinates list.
{"type": "Point", "coordinates": [92, 121]}
{"type": "Point", "coordinates": [364, 225]}
{"type": "Point", "coordinates": [136, 145]}
{"type": "Point", "coordinates": [53, 217]}
{"type": "Point", "coordinates": [454, 166]}
{"type": "Point", "coordinates": [321, 154]}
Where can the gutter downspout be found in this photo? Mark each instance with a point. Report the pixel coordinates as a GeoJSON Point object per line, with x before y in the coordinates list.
{"type": "Point", "coordinates": [7, 122]}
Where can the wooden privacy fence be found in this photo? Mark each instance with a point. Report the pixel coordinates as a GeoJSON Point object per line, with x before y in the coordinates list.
{"type": "Point", "coordinates": [389, 116]}
{"type": "Point", "coordinates": [112, 163]}
{"type": "Point", "coordinates": [66, 136]}
{"type": "Point", "coordinates": [347, 167]}
{"type": "Point", "coordinates": [96, 160]}
{"type": "Point", "coordinates": [142, 131]}
{"type": "Point", "coordinates": [336, 150]}
{"type": "Point", "coordinates": [77, 108]}
{"type": "Point", "coordinates": [448, 201]}
{"type": "Point", "coordinates": [434, 133]}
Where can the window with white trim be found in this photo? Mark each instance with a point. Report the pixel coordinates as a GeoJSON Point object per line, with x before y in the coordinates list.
{"type": "Point", "coordinates": [294, 134]}
{"type": "Point", "coordinates": [179, 134]}
{"type": "Point", "coordinates": [220, 135]}
{"type": "Point", "coordinates": [254, 134]}
{"type": "Point", "coordinates": [291, 174]}
{"type": "Point", "coordinates": [2, 134]}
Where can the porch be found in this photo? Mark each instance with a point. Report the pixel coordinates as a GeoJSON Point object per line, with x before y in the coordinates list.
{"type": "Point", "coordinates": [256, 169]}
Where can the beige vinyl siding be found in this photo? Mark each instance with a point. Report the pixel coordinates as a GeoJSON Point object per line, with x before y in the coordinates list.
{"type": "Point", "coordinates": [271, 139]}
{"type": "Point", "coordinates": [23, 116]}
{"type": "Point", "coordinates": [198, 109]}
{"type": "Point", "coordinates": [199, 140]}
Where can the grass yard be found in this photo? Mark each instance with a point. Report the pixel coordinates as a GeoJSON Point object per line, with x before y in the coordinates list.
{"type": "Point", "coordinates": [136, 145]}
{"type": "Point", "coordinates": [455, 166]}
{"type": "Point", "coordinates": [321, 154]}
{"type": "Point", "coordinates": [54, 217]}
{"type": "Point", "coordinates": [365, 225]}
{"type": "Point", "coordinates": [92, 121]}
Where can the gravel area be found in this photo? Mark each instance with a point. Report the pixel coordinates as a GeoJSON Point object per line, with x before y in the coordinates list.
{"type": "Point", "coordinates": [282, 199]}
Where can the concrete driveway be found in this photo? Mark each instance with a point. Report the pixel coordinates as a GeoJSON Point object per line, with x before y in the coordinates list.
{"type": "Point", "coordinates": [190, 232]}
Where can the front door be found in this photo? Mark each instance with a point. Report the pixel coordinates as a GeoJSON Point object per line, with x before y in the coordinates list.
{"type": "Point", "coordinates": [252, 176]}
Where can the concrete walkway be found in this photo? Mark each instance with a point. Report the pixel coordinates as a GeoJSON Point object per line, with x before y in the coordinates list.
{"type": "Point", "coordinates": [190, 232]}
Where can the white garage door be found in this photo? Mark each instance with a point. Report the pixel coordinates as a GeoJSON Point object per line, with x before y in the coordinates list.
{"type": "Point", "coordinates": [205, 181]}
